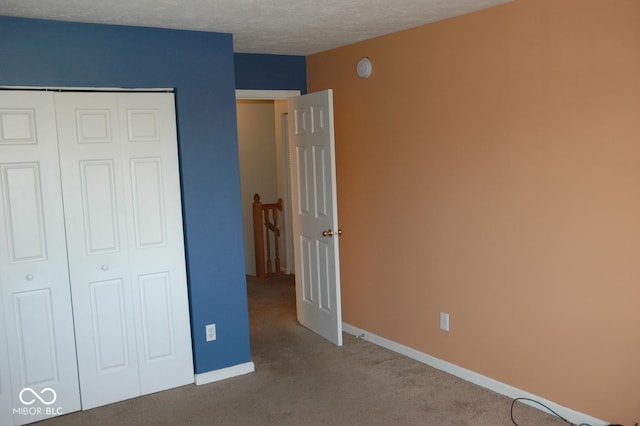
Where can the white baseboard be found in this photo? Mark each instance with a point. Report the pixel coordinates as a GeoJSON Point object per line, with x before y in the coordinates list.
{"type": "Point", "coordinates": [470, 376]}
{"type": "Point", "coordinates": [224, 373]}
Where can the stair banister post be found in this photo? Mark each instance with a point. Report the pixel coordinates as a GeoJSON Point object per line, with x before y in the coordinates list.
{"type": "Point", "coordinates": [258, 236]}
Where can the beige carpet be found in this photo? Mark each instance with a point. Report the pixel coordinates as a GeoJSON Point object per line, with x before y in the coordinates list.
{"type": "Point", "coordinates": [301, 379]}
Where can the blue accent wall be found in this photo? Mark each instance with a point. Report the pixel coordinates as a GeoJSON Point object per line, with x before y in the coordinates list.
{"type": "Point", "coordinates": [200, 67]}
{"type": "Point", "coordinates": [271, 72]}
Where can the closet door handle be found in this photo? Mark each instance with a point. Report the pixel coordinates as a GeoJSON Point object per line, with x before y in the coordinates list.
{"type": "Point", "coordinates": [29, 277]}
{"type": "Point", "coordinates": [105, 267]}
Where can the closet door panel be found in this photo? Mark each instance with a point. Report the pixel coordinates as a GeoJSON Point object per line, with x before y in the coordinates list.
{"type": "Point", "coordinates": [148, 202]}
{"type": "Point", "coordinates": [157, 322]}
{"type": "Point", "coordinates": [24, 215]}
{"type": "Point", "coordinates": [92, 167]}
{"type": "Point", "coordinates": [35, 311]}
{"type": "Point", "coordinates": [99, 206]}
{"type": "Point", "coordinates": [108, 315]}
{"type": "Point", "coordinates": [156, 241]}
{"type": "Point", "coordinates": [121, 192]}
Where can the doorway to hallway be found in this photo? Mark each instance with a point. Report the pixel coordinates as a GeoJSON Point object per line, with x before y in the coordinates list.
{"type": "Point", "coordinates": [262, 145]}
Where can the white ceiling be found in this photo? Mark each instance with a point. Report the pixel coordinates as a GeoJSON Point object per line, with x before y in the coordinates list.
{"type": "Point", "coordinates": [290, 27]}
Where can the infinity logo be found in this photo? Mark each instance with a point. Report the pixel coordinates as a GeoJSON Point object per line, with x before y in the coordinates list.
{"type": "Point", "coordinates": [38, 397]}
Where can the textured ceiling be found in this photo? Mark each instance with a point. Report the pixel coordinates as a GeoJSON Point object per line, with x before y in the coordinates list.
{"type": "Point", "coordinates": [290, 27]}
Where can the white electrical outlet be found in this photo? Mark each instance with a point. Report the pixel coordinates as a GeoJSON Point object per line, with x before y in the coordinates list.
{"type": "Point", "coordinates": [211, 332]}
{"type": "Point", "coordinates": [444, 321]}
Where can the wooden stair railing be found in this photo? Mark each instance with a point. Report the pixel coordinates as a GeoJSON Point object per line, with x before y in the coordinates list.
{"type": "Point", "coordinates": [265, 225]}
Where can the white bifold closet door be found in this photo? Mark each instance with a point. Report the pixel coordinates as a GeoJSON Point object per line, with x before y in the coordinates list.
{"type": "Point", "coordinates": [37, 348]}
{"type": "Point", "coordinates": [92, 269]}
{"type": "Point", "coordinates": [119, 164]}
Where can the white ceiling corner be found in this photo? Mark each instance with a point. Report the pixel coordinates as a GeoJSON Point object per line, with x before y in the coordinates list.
{"type": "Point", "coordinates": [288, 27]}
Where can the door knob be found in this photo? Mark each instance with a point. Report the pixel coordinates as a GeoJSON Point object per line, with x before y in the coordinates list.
{"type": "Point", "coordinates": [105, 267]}
{"type": "Point", "coordinates": [329, 233]}
{"type": "Point", "coordinates": [29, 277]}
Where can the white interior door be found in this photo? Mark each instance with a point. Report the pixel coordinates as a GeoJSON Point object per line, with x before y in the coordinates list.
{"type": "Point", "coordinates": [126, 252]}
{"type": "Point", "coordinates": [315, 214]}
{"type": "Point", "coordinates": [35, 313]}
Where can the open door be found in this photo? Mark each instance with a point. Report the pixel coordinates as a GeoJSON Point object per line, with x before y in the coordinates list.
{"type": "Point", "coordinates": [315, 214]}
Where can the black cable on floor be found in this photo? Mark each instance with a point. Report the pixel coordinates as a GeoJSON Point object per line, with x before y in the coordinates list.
{"type": "Point", "coordinates": [545, 407]}
{"type": "Point", "coordinates": [551, 411]}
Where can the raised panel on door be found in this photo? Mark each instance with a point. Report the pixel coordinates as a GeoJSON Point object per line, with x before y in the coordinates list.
{"type": "Point", "coordinates": [156, 240]}
{"type": "Point", "coordinates": [109, 325]}
{"type": "Point", "coordinates": [100, 210]}
{"type": "Point", "coordinates": [36, 347]}
{"type": "Point", "coordinates": [148, 202]}
{"type": "Point", "coordinates": [24, 217]}
{"type": "Point", "coordinates": [36, 315]}
{"type": "Point", "coordinates": [92, 168]}
{"type": "Point", "coordinates": [157, 322]}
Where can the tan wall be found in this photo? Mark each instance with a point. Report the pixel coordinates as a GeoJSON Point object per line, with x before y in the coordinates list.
{"type": "Point", "coordinates": [490, 168]}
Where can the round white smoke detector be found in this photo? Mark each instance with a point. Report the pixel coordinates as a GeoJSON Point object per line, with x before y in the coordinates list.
{"type": "Point", "coordinates": [364, 68]}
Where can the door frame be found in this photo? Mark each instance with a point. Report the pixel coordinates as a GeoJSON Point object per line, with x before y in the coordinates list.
{"type": "Point", "coordinates": [267, 95]}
